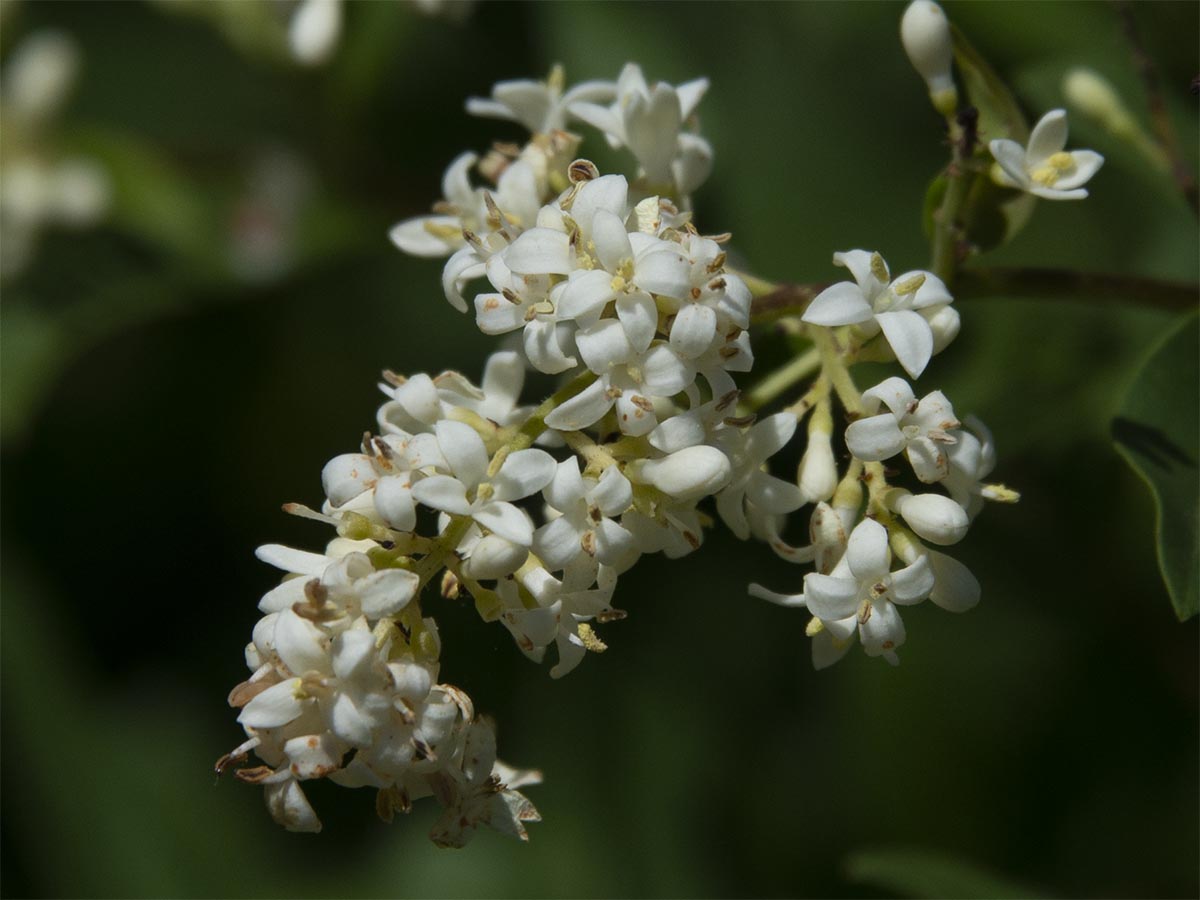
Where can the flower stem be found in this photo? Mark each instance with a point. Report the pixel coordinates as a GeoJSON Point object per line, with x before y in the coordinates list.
{"type": "Point", "coordinates": [782, 379]}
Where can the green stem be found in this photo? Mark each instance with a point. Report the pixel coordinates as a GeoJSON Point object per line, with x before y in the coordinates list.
{"type": "Point", "coordinates": [532, 428]}
{"type": "Point", "coordinates": [782, 379]}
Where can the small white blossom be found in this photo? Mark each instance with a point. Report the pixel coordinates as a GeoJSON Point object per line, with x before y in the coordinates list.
{"type": "Point", "coordinates": [649, 121]}
{"type": "Point", "coordinates": [584, 509]}
{"type": "Point", "coordinates": [876, 301]}
{"type": "Point", "coordinates": [467, 492]}
{"type": "Point", "coordinates": [918, 428]}
{"type": "Point", "coordinates": [1044, 168]}
{"type": "Point", "coordinates": [540, 106]}
{"type": "Point", "coordinates": [860, 596]}
{"type": "Point", "coordinates": [750, 485]}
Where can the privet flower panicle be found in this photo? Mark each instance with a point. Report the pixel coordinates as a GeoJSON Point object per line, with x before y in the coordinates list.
{"type": "Point", "coordinates": [534, 511]}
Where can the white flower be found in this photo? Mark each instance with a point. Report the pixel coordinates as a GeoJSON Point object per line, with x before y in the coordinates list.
{"type": "Point", "coordinates": [1044, 168]}
{"type": "Point", "coordinates": [921, 429]}
{"type": "Point", "coordinates": [540, 106]}
{"type": "Point", "coordinates": [560, 611]}
{"type": "Point", "coordinates": [649, 121]}
{"type": "Point", "coordinates": [585, 508]}
{"type": "Point", "coordinates": [314, 30]}
{"type": "Point", "coordinates": [750, 483]}
{"type": "Point", "coordinates": [514, 205]}
{"type": "Point", "coordinates": [860, 596]}
{"type": "Point", "coordinates": [875, 300]}
{"type": "Point", "coordinates": [972, 459]}
{"type": "Point", "coordinates": [482, 791]}
{"type": "Point", "coordinates": [466, 493]}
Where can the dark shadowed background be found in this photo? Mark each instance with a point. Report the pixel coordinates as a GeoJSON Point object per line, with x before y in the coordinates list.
{"type": "Point", "coordinates": [163, 395]}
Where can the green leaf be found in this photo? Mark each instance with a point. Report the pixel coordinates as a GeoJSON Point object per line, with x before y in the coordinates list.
{"type": "Point", "coordinates": [994, 215]}
{"type": "Point", "coordinates": [1158, 433]}
{"type": "Point", "coordinates": [921, 873]}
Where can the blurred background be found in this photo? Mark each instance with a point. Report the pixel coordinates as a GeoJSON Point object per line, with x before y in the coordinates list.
{"type": "Point", "coordinates": [183, 352]}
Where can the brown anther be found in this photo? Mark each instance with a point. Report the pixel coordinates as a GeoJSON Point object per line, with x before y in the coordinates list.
{"type": "Point", "coordinates": [247, 691]}
{"type": "Point", "coordinates": [511, 296]}
{"type": "Point", "coordinates": [692, 539]}
{"type": "Point", "coordinates": [393, 379]}
{"type": "Point", "coordinates": [582, 170]}
{"type": "Point", "coordinates": [506, 148]}
{"type": "Point", "coordinates": [740, 421]}
{"type": "Point", "coordinates": [723, 238]}
{"type": "Point", "coordinates": [613, 393]}
{"type": "Point", "coordinates": [226, 761]}
{"type": "Point", "coordinates": [382, 448]}
{"type": "Point", "coordinates": [422, 749]}
{"type": "Point", "coordinates": [717, 284]}
{"type": "Point", "coordinates": [697, 293]}
{"type": "Point", "coordinates": [595, 513]}
{"type": "Point", "coordinates": [472, 238]}
{"type": "Point", "coordinates": [728, 400]}
{"type": "Point", "coordinates": [641, 403]}
{"type": "Point", "coordinates": [733, 334]}
{"type": "Point", "coordinates": [588, 543]}
{"type": "Point", "coordinates": [864, 613]}
{"type": "Point", "coordinates": [717, 264]}
{"type": "Point", "coordinates": [610, 615]}
{"type": "Point", "coordinates": [728, 352]}
{"type": "Point", "coordinates": [315, 592]}
{"type": "Point", "coordinates": [888, 645]}
{"type": "Point", "coordinates": [450, 585]}
{"type": "Point", "coordinates": [912, 406]}
{"type": "Point", "coordinates": [445, 208]}
{"type": "Point", "coordinates": [254, 775]}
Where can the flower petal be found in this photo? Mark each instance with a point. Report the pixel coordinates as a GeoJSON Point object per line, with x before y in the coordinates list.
{"type": "Point", "coordinates": [603, 345]}
{"type": "Point", "coordinates": [444, 493]}
{"type": "Point", "coordinates": [558, 542]}
{"type": "Point", "coordinates": [464, 451]}
{"type": "Point", "coordinates": [883, 631]}
{"type": "Point", "coordinates": [523, 474]}
{"type": "Point", "coordinates": [611, 240]}
{"type": "Point", "coordinates": [955, 588]}
{"type": "Point", "coordinates": [540, 251]}
{"type": "Point", "coordinates": [582, 410]}
{"type": "Point", "coordinates": [830, 598]}
{"type": "Point", "coordinates": [910, 337]}
{"type": "Point", "coordinates": [867, 551]}
{"type": "Point", "coordinates": [543, 348]}
{"type": "Point", "coordinates": [505, 520]}
{"type": "Point", "coordinates": [1048, 137]}
{"type": "Point", "coordinates": [875, 437]}
{"type": "Point", "coordinates": [693, 331]}
{"type": "Point", "coordinates": [613, 493]}
{"type": "Point", "coordinates": [913, 583]}
{"type": "Point", "coordinates": [639, 317]}
{"type": "Point", "coordinates": [839, 304]}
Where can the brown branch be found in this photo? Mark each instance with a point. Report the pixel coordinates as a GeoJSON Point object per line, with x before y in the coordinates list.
{"type": "Point", "coordinates": [1067, 284]}
{"type": "Point", "coordinates": [786, 300]}
{"type": "Point", "coordinates": [1159, 117]}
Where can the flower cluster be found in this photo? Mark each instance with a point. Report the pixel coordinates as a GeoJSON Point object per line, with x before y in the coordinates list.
{"type": "Point", "coordinates": [605, 283]}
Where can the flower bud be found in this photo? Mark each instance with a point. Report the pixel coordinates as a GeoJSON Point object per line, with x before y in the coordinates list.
{"type": "Point", "coordinates": [925, 33]}
{"type": "Point", "coordinates": [817, 475]}
{"type": "Point", "coordinates": [314, 31]}
{"type": "Point", "coordinates": [687, 474]}
{"type": "Point", "coordinates": [1092, 95]}
{"type": "Point", "coordinates": [944, 322]}
{"type": "Point", "coordinates": [932, 516]}
{"type": "Point", "coordinates": [494, 557]}
{"type": "Point", "coordinates": [40, 74]}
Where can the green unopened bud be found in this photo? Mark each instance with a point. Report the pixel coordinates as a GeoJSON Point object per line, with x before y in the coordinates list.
{"type": "Point", "coordinates": [1094, 96]}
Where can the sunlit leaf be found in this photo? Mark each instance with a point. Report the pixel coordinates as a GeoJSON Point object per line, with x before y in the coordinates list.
{"type": "Point", "coordinates": [1158, 433]}
{"type": "Point", "coordinates": [921, 873]}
